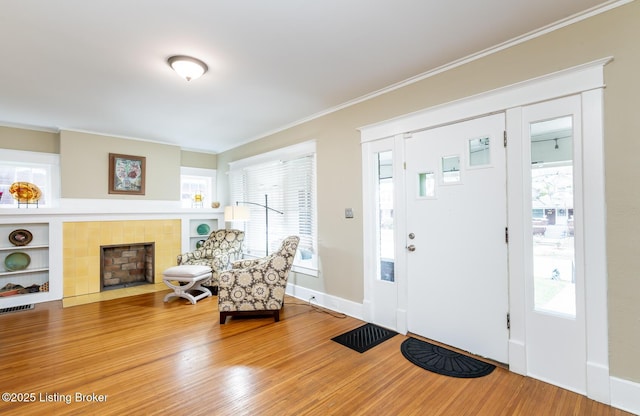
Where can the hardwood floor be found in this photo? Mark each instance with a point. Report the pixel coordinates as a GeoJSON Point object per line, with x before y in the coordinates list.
{"type": "Point", "coordinates": [143, 356]}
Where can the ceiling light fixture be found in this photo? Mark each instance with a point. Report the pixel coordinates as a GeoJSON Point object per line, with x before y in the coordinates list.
{"type": "Point", "coordinates": [187, 67]}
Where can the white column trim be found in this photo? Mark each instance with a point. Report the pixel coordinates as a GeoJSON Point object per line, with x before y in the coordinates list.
{"type": "Point", "coordinates": [595, 246]}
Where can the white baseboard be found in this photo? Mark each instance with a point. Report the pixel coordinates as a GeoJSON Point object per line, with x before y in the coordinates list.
{"type": "Point", "coordinates": [598, 382]}
{"type": "Point", "coordinates": [625, 395]}
{"type": "Point", "coordinates": [334, 303]}
{"type": "Point", "coordinates": [517, 357]}
{"type": "Point", "coordinates": [402, 324]}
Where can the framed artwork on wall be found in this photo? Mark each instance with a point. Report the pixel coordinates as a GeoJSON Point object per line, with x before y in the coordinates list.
{"type": "Point", "coordinates": [126, 174]}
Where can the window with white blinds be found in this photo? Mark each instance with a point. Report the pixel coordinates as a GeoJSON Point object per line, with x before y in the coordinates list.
{"type": "Point", "coordinates": [287, 178]}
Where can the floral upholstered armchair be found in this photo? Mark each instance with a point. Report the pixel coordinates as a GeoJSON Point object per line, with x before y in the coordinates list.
{"type": "Point", "coordinates": [257, 286]}
{"type": "Point", "coordinates": [221, 248]}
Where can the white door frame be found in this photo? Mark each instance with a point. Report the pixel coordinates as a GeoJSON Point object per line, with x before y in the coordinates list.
{"type": "Point", "coordinates": [586, 80]}
{"type": "Point", "coordinates": [381, 298]}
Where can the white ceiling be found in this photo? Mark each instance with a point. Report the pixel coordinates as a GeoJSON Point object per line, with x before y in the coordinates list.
{"type": "Point", "coordinates": [100, 65]}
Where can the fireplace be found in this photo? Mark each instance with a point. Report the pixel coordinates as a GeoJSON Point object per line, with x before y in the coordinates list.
{"type": "Point", "coordinates": [125, 265]}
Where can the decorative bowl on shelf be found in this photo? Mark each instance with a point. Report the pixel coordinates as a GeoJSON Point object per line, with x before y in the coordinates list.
{"type": "Point", "coordinates": [25, 192]}
{"type": "Point", "coordinates": [203, 229]}
{"type": "Point", "coordinates": [20, 237]}
{"type": "Point", "coordinates": [17, 261]}
{"type": "Point", "coordinates": [200, 243]}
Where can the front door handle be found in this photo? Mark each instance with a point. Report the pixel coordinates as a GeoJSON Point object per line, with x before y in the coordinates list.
{"type": "Point", "coordinates": [411, 248]}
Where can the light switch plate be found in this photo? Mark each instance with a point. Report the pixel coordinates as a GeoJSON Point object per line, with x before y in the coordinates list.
{"type": "Point", "coordinates": [348, 212]}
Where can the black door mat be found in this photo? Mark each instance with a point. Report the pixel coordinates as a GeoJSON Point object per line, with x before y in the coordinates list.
{"type": "Point", "coordinates": [443, 361]}
{"type": "Point", "coordinates": [365, 337]}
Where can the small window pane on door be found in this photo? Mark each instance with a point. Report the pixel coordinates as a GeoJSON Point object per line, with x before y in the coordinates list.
{"type": "Point", "coordinates": [451, 169]}
{"type": "Point", "coordinates": [427, 185]}
{"type": "Point", "coordinates": [479, 152]}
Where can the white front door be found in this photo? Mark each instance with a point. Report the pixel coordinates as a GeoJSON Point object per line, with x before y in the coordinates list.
{"type": "Point", "coordinates": [456, 219]}
{"type": "Point", "coordinates": [554, 261]}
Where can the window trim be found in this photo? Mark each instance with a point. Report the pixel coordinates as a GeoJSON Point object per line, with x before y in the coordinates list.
{"type": "Point", "coordinates": [286, 153]}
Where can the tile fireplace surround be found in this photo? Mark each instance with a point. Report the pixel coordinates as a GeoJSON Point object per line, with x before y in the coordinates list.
{"type": "Point", "coordinates": [82, 241]}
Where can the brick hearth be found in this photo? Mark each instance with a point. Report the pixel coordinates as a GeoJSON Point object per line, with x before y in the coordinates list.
{"type": "Point", "coordinates": [127, 264]}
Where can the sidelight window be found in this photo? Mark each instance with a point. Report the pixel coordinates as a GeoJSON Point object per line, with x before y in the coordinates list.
{"type": "Point", "coordinates": [553, 222]}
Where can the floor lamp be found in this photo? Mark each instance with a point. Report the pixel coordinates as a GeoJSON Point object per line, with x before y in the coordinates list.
{"type": "Point", "coordinates": [238, 213]}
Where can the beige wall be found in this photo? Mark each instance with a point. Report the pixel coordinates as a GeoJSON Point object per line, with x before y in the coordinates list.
{"type": "Point", "coordinates": [84, 165]}
{"type": "Point", "coordinates": [85, 152]}
{"type": "Point", "coordinates": [615, 33]}
{"type": "Point", "coordinates": [198, 160]}
{"type": "Point", "coordinates": [29, 140]}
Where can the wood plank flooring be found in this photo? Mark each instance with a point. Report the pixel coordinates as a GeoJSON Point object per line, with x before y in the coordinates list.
{"type": "Point", "coordinates": [142, 356]}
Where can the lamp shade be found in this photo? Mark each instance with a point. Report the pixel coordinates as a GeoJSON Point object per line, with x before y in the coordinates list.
{"type": "Point", "coordinates": [187, 67]}
{"type": "Point", "coordinates": [236, 213]}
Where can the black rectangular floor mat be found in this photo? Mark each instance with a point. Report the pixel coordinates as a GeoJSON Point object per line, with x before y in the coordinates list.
{"type": "Point", "coordinates": [365, 337]}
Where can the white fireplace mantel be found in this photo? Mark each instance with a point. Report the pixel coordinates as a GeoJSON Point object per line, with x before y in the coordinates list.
{"type": "Point", "coordinates": [80, 210]}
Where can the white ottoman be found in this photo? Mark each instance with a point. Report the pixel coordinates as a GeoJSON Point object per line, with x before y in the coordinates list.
{"type": "Point", "coordinates": [192, 275]}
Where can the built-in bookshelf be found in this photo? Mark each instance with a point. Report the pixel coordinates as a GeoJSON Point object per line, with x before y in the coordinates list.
{"type": "Point", "coordinates": [24, 262]}
{"type": "Point", "coordinates": [199, 230]}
